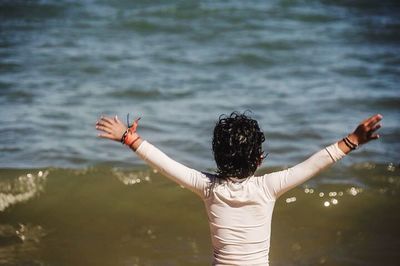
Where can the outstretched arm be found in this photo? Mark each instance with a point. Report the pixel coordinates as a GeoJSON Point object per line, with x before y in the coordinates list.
{"type": "Point", "coordinates": [192, 179]}
{"type": "Point", "coordinates": [277, 183]}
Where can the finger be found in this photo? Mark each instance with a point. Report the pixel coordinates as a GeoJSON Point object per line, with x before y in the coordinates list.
{"type": "Point", "coordinates": [103, 128]}
{"type": "Point", "coordinates": [107, 120]}
{"type": "Point", "coordinates": [105, 136]}
{"type": "Point", "coordinates": [117, 120]}
{"type": "Point", "coordinates": [374, 136]}
{"type": "Point", "coordinates": [101, 123]}
{"type": "Point", "coordinates": [376, 127]}
{"type": "Point", "coordinates": [365, 121]}
{"type": "Point", "coordinates": [373, 120]}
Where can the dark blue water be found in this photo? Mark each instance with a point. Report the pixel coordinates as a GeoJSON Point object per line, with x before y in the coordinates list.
{"type": "Point", "coordinates": [309, 70]}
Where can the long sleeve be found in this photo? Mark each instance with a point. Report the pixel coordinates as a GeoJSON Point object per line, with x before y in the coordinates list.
{"type": "Point", "coordinates": [277, 183]}
{"type": "Point", "coordinates": [192, 179]}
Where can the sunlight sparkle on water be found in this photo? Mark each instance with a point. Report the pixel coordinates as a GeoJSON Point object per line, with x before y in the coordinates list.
{"type": "Point", "coordinates": [290, 200]}
{"type": "Point", "coordinates": [354, 191]}
{"type": "Point", "coordinates": [391, 167]}
{"type": "Point", "coordinates": [308, 190]}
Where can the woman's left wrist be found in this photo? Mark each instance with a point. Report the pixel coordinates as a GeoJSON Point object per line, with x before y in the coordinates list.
{"type": "Point", "coordinates": [130, 138]}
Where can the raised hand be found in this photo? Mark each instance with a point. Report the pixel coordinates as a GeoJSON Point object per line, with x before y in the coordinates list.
{"type": "Point", "coordinates": [365, 131]}
{"type": "Point", "coordinates": [112, 128]}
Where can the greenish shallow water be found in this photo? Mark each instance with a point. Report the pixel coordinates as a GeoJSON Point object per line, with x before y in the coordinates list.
{"type": "Point", "coordinates": [113, 216]}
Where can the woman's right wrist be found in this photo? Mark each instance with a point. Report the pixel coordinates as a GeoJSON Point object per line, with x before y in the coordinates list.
{"type": "Point", "coordinates": [348, 143]}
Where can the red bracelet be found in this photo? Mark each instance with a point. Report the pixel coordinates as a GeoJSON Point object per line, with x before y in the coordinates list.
{"type": "Point", "coordinates": [133, 142]}
{"type": "Point", "coordinates": [129, 140]}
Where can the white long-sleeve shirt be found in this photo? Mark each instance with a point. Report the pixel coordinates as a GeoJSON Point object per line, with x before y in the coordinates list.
{"type": "Point", "coordinates": [240, 210]}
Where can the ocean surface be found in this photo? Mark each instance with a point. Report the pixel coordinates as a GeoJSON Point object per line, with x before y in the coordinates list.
{"type": "Point", "coordinates": [309, 71]}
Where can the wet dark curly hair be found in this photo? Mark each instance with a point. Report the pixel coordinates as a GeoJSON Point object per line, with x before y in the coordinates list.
{"type": "Point", "coordinates": [237, 145]}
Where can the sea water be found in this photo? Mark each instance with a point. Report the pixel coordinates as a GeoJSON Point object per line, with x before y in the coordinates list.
{"type": "Point", "coordinates": [309, 71]}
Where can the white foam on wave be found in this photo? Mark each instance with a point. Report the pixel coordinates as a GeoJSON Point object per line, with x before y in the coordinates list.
{"type": "Point", "coordinates": [21, 189]}
{"type": "Point", "coordinates": [131, 178]}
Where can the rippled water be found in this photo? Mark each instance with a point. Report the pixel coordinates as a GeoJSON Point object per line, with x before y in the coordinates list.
{"type": "Point", "coordinates": [309, 70]}
{"type": "Point", "coordinates": [117, 216]}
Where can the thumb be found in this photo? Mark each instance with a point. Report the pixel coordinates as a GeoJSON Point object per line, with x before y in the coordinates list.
{"type": "Point", "coordinates": [135, 124]}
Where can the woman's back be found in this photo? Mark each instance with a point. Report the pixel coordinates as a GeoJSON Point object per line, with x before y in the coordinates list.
{"type": "Point", "coordinates": [239, 214]}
